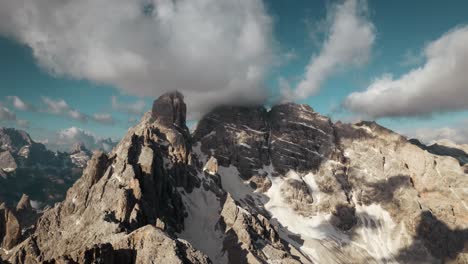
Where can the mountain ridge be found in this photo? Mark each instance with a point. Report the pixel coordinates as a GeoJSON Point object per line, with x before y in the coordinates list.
{"type": "Point", "coordinates": [29, 167]}
{"type": "Point", "coordinates": [257, 186]}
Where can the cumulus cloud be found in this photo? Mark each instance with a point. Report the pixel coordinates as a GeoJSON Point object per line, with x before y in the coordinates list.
{"type": "Point", "coordinates": [135, 108]}
{"type": "Point", "coordinates": [103, 118]}
{"type": "Point", "coordinates": [56, 107]}
{"type": "Point", "coordinates": [6, 114]}
{"type": "Point", "coordinates": [213, 51]}
{"type": "Point", "coordinates": [60, 107]}
{"type": "Point", "coordinates": [66, 138]}
{"type": "Point", "coordinates": [458, 135]}
{"type": "Point", "coordinates": [19, 104]}
{"type": "Point", "coordinates": [348, 42]}
{"type": "Point", "coordinates": [77, 115]}
{"type": "Point", "coordinates": [440, 85]}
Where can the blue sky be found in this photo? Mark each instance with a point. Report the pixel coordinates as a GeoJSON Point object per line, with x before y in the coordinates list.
{"type": "Point", "coordinates": [294, 31]}
{"type": "Point", "coordinates": [402, 27]}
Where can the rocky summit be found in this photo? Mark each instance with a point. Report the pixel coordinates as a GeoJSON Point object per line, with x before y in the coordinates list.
{"type": "Point", "coordinates": [252, 185]}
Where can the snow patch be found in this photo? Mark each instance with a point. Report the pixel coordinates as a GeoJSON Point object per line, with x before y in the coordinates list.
{"type": "Point", "coordinates": [309, 179]}
{"type": "Point", "coordinates": [36, 205]}
{"type": "Point", "coordinates": [212, 133]}
{"type": "Point", "coordinates": [379, 235]}
{"type": "Point", "coordinates": [203, 209]}
{"type": "Point", "coordinates": [196, 148]}
{"type": "Point", "coordinates": [245, 145]}
{"type": "Point", "coordinates": [310, 229]}
{"type": "Point", "coordinates": [232, 183]}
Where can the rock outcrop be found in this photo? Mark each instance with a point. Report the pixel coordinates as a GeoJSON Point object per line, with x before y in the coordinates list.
{"type": "Point", "coordinates": [7, 161]}
{"type": "Point", "coordinates": [80, 155]}
{"type": "Point", "coordinates": [13, 140]}
{"type": "Point", "coordinates": [16, 224]}
{"type": "Point", "coordinates": [10, 229]}
{"type": "Point", "coordinates": [211, 166]}
{"type": "Point", "coordinates": [251, 238]}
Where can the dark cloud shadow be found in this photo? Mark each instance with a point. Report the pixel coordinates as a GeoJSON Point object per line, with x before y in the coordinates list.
{"type": "Point", "coordinates": [433, 236]}
{"type": "Point", "coordinates": [441, 150]}
{"type": "Point", "coordinates": [382, 191]}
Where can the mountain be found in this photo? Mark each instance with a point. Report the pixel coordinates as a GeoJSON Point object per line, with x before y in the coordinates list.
{"type": "Point", "coordinates": [29, 167]}
{"type": "Point", "coordinates": [80, 155]}
{"type": "Point", "coordinates": [251, 185]}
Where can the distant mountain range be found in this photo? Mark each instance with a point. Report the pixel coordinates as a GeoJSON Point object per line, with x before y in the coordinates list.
{"type": "Point", "coordinates": [249, 185]}
{"type": "Point", "coordinates": [29, 167]}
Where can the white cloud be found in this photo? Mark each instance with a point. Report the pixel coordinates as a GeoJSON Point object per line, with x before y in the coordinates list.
{"type": "Point", "coordinates": [65, 139]}
{"type": "Point", "coordinates": [60, 107]}
{"type": "Point", "coordinates": [6, 114]}
{"type": "Point", "coordinates": [77, 115]}
{"type": "Point", "coordinates": [19, 104]}
{"type": "Point", "coordinates": [57, 107]}
{"type": "Point", "coordinates": [136, 108]}
{"type": "Point", "coordinates": [348, 42]}
{"type": "Point", "coordinates": [429, 136]}
{"type": "Point", "coordinates": [440, 85]}
{"type": "Point", "coordinates": [103, 118]}
{"type": "Point", "coordinates": [213, 51]}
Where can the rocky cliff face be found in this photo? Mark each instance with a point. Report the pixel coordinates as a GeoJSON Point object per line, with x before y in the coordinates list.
{"type": "Point", "coordinates": [340, 193]}
{"type": "Point", "coordinates": [256, 186]}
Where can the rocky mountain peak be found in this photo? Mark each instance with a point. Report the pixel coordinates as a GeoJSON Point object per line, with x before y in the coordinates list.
{"type": "Point", "coordinates": [13, 139]}
{"type": "Point", "coordinates": [170, 109]}
{"type": "Point", "coordinates": [250, 137]}
{"type": "Point", "coordinates": [78, 147]}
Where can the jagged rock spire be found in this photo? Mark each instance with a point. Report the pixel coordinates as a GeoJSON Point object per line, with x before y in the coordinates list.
{"type": "Point", "coordinates": [24, 203]}
{"type": "Point", "coordinates": [170, 109]}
